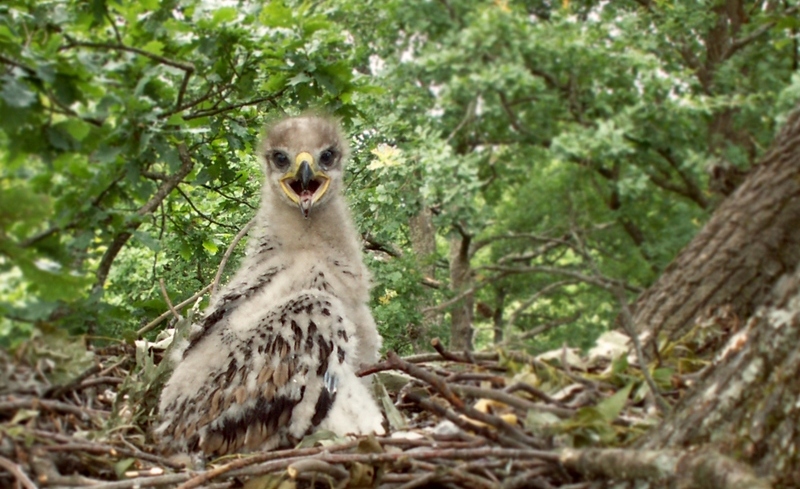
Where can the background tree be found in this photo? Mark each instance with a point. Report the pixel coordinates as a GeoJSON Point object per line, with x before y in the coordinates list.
{"type": "Point", "coordinates": [568, 151]}
{"type": "Point", "coordinates": [538, 155]}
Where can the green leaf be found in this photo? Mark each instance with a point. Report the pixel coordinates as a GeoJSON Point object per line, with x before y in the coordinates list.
{"type": "Point", "coordinates": [155, 47]}
{"type": "Point", "coordinates": [610, 408]}
{"type": "Point", "coordinates": [225, 14]}
{"type": "Point", "coordinates": [176, 120]}
{"type": "Point", "coordinates": [396, 419]}
{"type": "Point", "coordinates": [24, 415]}
{"type": "Point", "coordinates": [77, 128]}
{"type": "Point", "coordinates": [185, 251]}
{"type": "Point", "coordinates": [122, 466]}
{"type": "Point", "coordinates": [16, 93]}
{"type": "Point", "coordinates": [299, 78]}
{"type": "Point", "coordinates": [276, 14]}
{"type": "Point", "coordinates": [211, 247]}
{"type": "Point", "coordinates": [147, 240]}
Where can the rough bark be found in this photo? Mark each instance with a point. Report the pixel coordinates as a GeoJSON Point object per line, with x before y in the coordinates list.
{"type": "Point", "coordinates": [735, 260]}
{"type": "Point", "coordinates": [423, 243]}
{"type": "Point", "coordinates": [746, 403]}
{"type": "Point", "coordinates": [498, 321]}
{"type": "Point", "coordinates": [423, 240]}
{"type": "Point", "coordinates": [460, 281]}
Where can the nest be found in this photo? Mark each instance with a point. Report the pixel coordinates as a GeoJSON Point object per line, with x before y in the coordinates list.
{"type": "Point", "coordinates": [73, 417]}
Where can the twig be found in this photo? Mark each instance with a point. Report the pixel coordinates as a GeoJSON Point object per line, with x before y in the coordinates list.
{"type": "Point", "coordinates": [436, 343]}
{"type": "Point", "coordinates": [228, 253]}
{"type": "Point", "coordinates": [81, 413]}
{"type": "Point", "coordinates": [115, 365]}
{"type": "Point", "coordinates": [512, 400]}
{"type": "Point", "coordinates": [155, 322]}
{"type": "Point", "coordinates": [188, 67]}
{"type": "Point", "coordinates": [14, 470]}
{"type": "Point", "coordinates": [103, 448]}
{"type": "Point", "coordinates": [539, 293]}
{"type": "Point", "coordinates": [422, 480]}
{"type": "Point", "coordinates": [307, 465]}
{"type": "Point", "coordinates": [201, 213]}
{"type": "Point", "coordinates": [541, 329]}
{"type": "Point", "coordinates": [59, 390]}
{"type": "Point", "coordinates": [139, 482]}
{"type": "Point", "coordinates": [175, 313]}
{"type": "Point", "coordinates": [533, 391]}
{"type": "Point", "coordinates": [519, 438]}
{"type": "Point", "coordinates": [161, 193]}
{"type": "Point", "coordinates": [628, 324]}
{"type": "Point", "coordinates": [287, 456]}
{"type": "Point", "coordinates": [210, 112]}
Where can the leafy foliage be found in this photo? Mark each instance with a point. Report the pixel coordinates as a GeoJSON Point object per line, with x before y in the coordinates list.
{"type": "Point", "coordinates": [576, 147]}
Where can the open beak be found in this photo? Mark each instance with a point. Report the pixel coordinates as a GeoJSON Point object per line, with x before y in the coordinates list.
{"type": "Point", "coordinates": [305, 183]}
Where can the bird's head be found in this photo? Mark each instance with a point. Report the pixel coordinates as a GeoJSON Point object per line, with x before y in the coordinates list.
{"type": "Point", "coordinates": [304, 158]}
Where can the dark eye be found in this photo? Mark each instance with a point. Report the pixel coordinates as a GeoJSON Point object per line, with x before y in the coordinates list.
{"type": "Point", "coordinates": [280, 160]}
{"type": "Point", "coordinates": [326, 157]}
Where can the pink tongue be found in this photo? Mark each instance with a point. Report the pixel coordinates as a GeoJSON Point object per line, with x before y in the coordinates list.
{"type": "Point", "coordinates": [306, 195]}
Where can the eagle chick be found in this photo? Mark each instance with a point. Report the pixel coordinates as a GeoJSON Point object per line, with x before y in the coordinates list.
{"type": "Point", "coordinates": [275, 355]}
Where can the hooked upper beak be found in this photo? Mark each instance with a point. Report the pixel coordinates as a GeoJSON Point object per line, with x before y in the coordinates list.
{"type": "Point", "coordinates": [305, 183]}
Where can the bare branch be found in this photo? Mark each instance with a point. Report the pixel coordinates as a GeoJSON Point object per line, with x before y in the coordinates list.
{"type": "Point", "coordinates": [602, 282]}
{"type": "Point", "coordinates": [188, 67]}
{"type": "Point", "coordinates": [228, 108]}
{"type": "Point", "coordinates": [630, 329]}
{"type": "Point", "coordinates": [200, 213]}
{"type": "Point", "coordinates": [229, 197]}
{"type": "Point", "coordinates": [228, 254]}
{"type": "Point", "coordinates": [155, 322]}
{"type": "Point", "coordinates": [463, 294]}
{"type": "Point", "coordinates": [119, 241]}
{"type": "Point", "coordinates": [477, 245]}
{"type": "Point", "coordinates": [469, 115]}
{"type": "Point", "coordinates": [375, 245]}
{"type": "Point", "coordinates": [167, 300]}
{"type": "Point", "coordinates": [54, 229]}
{"type": "Point", "coordinates": [14, 470]}
{"type": "Point", "coordinates": [512, 116]}
{"type": "Point", "coordinates": [528, 303]}
{"type": "Point", "coordinates": [738, 44]}
{"type": "Point", "coordinates": [182, 90]}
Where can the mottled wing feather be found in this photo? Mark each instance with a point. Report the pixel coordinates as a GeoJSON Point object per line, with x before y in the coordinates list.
{"type": "Point", "coordinates": [274, 385]}
{"type": "Point", "coordinates": [230, 298]}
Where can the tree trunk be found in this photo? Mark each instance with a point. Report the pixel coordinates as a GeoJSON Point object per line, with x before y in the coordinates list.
{"type": "Point", "coordinates": [423, 243]}
{"type": "Point", "coordinates": [498, 321]}
{"type": "Point", "coordinates": [744, 261]}
{"type": "Point", "coordinates": [751, 240]}
{"type": "Point", "coordinates": [460, 280]}
{"type": "Point", "coordinates": [746, 404]}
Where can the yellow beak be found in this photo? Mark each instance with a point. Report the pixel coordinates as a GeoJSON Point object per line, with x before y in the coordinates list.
{"type": "Point", "coordinates": [305, 183]}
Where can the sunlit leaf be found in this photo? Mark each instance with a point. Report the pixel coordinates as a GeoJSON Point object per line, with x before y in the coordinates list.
{"type": "Point", "coordinates": [610, 407]}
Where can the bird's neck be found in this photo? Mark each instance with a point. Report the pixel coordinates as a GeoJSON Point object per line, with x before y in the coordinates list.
{"type": "Point", "coordinates": [328, 231]}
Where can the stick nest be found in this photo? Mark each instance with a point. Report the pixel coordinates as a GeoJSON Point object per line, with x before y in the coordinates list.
{"type": "Point", "coordinates": [74, 417]}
